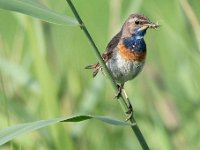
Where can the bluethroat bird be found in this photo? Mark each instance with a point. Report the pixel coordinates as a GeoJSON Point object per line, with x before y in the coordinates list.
{"type": "Point", "coordinates": [125, 53]}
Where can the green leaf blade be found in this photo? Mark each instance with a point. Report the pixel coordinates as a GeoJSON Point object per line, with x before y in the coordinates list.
{"type": "Point", "coordinates": [12, 132]}
{"type": "Point", "coordinates": [37, 10]}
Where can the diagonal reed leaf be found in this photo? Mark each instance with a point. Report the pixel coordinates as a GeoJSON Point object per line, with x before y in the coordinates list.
{"type": "Point", "coordinates": [37, 10]}
{"type": "Point", "coordinates": [12, 132]}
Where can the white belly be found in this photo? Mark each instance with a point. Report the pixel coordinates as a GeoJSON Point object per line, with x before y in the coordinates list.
{"type": "Point", "coordinates": [124, 70]}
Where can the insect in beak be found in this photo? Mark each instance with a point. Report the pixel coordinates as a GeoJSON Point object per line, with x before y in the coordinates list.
{"type": "Point", "coordinates": [149, 25]}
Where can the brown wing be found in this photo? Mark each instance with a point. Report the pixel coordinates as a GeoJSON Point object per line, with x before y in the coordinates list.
{"type": "Point", "coordinates": [111, 45]}
{"type": "Point", "coordinates": [107, 53]}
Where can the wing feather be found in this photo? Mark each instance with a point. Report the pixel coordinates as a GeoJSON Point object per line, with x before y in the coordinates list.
{"type": "Point", "coordinates": [111, 46]}
{"type": "Point", "coordinates": [107, 53]}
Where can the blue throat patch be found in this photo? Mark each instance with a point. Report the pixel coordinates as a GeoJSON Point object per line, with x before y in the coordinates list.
{"type": "Point", "coordinates": [136, 42]}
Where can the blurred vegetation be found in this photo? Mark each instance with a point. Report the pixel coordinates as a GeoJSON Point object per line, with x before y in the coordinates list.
{"type": "Point", "coordinates": [42, 76]}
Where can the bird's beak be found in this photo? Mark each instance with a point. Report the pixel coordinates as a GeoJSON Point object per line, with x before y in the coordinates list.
{"type": "Point", "coordinates": [153, 25]}
{"type": "Point", "coordinates": [149, 25]}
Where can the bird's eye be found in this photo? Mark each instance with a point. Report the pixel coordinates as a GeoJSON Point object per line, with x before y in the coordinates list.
{"type": "Point", "coordinates": [137, 22]}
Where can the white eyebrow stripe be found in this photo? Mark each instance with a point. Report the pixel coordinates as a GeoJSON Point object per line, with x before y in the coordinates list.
{"type": "Point", "coordinates": [131, 20]}
{"type": "Point", "coordinates": [134, 19]}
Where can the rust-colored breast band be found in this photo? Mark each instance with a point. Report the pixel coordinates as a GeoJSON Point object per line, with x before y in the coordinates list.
{"type": "Point", "coordinates": [128, 54]}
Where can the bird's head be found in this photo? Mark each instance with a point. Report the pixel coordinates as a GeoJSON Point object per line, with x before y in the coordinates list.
{"type": "Point", "coordinates": [137, 24]}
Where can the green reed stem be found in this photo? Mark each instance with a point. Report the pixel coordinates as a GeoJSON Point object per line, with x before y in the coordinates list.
{"type": "Point", "coordinates": [121, 99]}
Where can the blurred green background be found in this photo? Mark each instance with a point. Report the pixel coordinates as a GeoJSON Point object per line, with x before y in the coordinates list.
{"type": "Point", "coordinates": [42, 76]}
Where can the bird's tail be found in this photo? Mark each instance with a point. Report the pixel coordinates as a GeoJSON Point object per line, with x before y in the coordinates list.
{"type": "Point", "coordinates": [96, 68]}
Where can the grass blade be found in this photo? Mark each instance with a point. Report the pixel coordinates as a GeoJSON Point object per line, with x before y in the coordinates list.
{"type": "Point", "coordinates": [12, 132]}
{"type": "Point", "coordinates": [37, 10]}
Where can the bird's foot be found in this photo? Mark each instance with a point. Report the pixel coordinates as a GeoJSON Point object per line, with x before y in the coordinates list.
{"type": "Point", "coordinates": [130, 111]}
{"type": "Point", "coordinates": [119, 91]}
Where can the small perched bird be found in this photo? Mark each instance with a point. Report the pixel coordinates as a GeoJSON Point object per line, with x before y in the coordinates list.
{"type": "Point", "coordinates": [125, 53]}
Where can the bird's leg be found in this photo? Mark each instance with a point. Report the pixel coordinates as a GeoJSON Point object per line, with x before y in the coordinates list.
{"type": "Point", "coordinates": [102, 71]}
{"type": "Point", "coordinates": [119, 90]}
{"type": "Point", "coordinates": [130, 107]}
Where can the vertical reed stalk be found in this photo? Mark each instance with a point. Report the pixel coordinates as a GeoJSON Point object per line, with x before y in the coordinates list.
{"type": "Point", "coordinates": [122, 100]}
